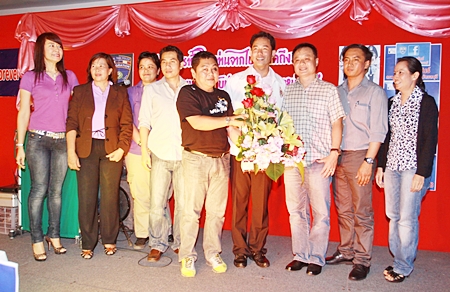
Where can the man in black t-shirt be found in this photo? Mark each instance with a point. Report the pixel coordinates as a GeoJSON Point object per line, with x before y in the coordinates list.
{"type": "Point", "coordinates": [205, 114]}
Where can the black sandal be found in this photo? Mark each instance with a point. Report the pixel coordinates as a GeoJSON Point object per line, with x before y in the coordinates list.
{"type": "Point", "coordinates": [394, 277]}
{"type": "Point", "coordinates": [388, 270]}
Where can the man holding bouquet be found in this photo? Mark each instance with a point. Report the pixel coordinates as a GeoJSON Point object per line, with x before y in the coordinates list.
{"type": "Point", "coordinates": [262, 47]}
{"type": "Point", "coordinates": [206, 114]}
{"type": "Point", "coordinates": [316, 109]}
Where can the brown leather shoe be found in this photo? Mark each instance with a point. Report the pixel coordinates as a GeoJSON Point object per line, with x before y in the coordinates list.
{"type": "Point", "coordinates": [260, 259]}
{"type": "Point", "coordinates": [359, 272]}
{"type": "Point", "coordinates": [240, 261]}
{"type": "Point", "coordinates": [154, 255]}
{"type": "Point", "coordinates": [338, 258]}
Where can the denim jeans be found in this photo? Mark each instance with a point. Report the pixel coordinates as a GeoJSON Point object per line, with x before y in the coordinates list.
{"type": "Point", "coordinates": [206, 183]}
{"type": "Point", "coordinates": [47, 160]}
{"type": "Point", "coordinates": [164, 174]}
{"type": "Point", "coordinates": [403, 210]}
{"type": "Point", "coordinates": [309, 243]}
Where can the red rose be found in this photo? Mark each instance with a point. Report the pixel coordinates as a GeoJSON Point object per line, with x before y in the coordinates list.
{"type": "Point", "coordinates": [257, 91]}
{"type": "Point", "coordinates": [248, 102]}
{"type": "Point", "coordinates": [251, 79]}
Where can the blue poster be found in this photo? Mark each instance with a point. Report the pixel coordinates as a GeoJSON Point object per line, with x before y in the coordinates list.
{"type": "Point", "coordinates": [9, 75]}
{"type": "Point", "coordinates": [420, 51]}
{"type": "Point", "coordinates": [430, 56]}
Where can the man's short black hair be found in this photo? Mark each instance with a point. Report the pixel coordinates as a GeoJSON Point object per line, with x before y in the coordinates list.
{"type": "Point", "coordinates": [152, 56]}
{"type": "Point", "coordinates": [202, 55]}
{"type": "Point", "coordinates": [263, 34]}
{"type": "Point", "coordinates": [305, 45]}
{"type": "Point", "coordinates": [172, 49]}
{"type": "Point", "coordinates": [367, 53]}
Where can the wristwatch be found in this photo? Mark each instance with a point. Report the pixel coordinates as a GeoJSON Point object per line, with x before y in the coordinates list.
{"type": "Point", "coordinates": [227, 120]}
{"type": "Point", "coordinates": [337, 150]}
{"type": "Point", "coordinates": [369, 160]}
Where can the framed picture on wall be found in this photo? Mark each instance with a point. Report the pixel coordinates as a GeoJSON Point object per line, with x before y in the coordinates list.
{"type": "Point", "coordinates": [124, 64]}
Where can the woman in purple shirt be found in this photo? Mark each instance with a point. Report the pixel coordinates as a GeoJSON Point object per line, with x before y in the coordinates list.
{"type": "Point", "coordinates": [46, 90]}
{"type": "Point", "coordinates": [137, 175]}
{"type": "Point", "coordinates": [99, 128]}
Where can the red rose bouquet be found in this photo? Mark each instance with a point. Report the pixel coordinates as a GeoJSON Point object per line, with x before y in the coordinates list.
{"type": "Point", "coordinates": [268, 141]}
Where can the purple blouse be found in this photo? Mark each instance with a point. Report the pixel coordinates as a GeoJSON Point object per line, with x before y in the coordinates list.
{"type": "Point", "coordinates": [50, 100]}
{"type": "Point", "coordinates": [98, 120]}
{"type": "Point", "coordinates": [135, 97]}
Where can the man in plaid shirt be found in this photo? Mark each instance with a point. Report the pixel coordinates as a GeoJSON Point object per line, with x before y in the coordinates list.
{"type": "Point", "coordinates": [317, 113]}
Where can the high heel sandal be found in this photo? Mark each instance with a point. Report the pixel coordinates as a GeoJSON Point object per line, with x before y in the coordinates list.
{"type": "Point", "coordinates": [58, 250]}
{"type": "Point", "coordinates": [388, 270]}
{"type": "Point", "coordinates": [40, 257]}
{"type": "Point", "coordinates": [87, 254]}
{"type": "Point", "coordinates": [110, 250]}
{"type": "Point", "coordinates": [394, 277]}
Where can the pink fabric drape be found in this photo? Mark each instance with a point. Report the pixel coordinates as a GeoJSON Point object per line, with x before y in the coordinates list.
{"type": "Point", "coordinates": [181, 20]}
{"type": "Point", "coordinates": [427, 18]}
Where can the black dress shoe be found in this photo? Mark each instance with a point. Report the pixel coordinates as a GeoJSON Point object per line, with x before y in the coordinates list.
{"type": "Point", "coordinates": [359, 272]}
{"type": "Point", "coordinates": [260, 259]}
{"type": "Point", "coordinates": [240, 261]}
{"type": "Point", "coordinates": [338, 258]}
{"type": "Point", "coordinates": [295, 265]}
{"type": "Point", "coordinates": [313, 270]}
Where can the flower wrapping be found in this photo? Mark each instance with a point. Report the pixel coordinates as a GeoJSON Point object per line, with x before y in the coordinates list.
{"type": "Point", "coordinates": [268, 141]}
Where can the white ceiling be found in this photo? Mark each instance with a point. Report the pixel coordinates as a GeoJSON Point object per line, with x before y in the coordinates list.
{"type": "Point", "coordinates": [9, 7]}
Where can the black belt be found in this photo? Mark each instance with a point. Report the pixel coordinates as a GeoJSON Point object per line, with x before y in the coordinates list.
{"type": "Point", "coordinates": [206, 155]}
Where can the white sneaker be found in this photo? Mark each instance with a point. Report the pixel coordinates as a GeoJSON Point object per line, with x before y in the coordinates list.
{"type": "Point", "coordinates": [188, 267]}
{"type": "Point", "coordinates": [218, 265]}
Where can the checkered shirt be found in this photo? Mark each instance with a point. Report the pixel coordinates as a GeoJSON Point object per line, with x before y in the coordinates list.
{"type": "Point", "coordinates": [313, 110]}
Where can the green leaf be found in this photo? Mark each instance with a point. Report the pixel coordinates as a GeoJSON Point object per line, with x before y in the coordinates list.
{"type": "Point", "coordinates": [262, 141]}
{"type": "Point", "coordinates": [275, 170]}
{"type": "Point", "coordinates": [301, 169]}
{"type": "Point", "coordinates": [239, 111]}
{"type": "Point", "coordinates": [256, 168]}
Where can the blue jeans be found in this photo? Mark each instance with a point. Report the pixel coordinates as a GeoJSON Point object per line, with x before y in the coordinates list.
{"type": "Point", "coordinates": [164, 174]}
{"type": "Point", "coordinates": [47, 160]}
{"type": "Point", "coordinates": [309, 243]}
{"type": "Point", "coordinates": [403, 210]}
{"type": "Point", "coordinates": [205, 183]}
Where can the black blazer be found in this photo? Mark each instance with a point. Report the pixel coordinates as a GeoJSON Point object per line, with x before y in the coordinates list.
{"type": "Point", "coordinates": [427, 136]}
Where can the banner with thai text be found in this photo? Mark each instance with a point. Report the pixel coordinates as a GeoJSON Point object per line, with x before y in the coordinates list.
{"type": "Point", "coordinates": [9, 75]}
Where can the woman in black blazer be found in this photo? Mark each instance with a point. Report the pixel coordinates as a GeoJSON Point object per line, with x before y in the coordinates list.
{"type": "Point", "coordinates": [405, 163]}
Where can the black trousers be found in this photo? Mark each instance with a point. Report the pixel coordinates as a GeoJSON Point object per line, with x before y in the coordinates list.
{"type": "Point", "coordinates": [243, 186]}
{"type": "Point", "coordinates": [97, 172]}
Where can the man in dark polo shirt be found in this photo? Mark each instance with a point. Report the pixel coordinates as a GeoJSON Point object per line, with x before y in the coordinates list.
{"type": "Point", "coordinates": [205, 114]}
